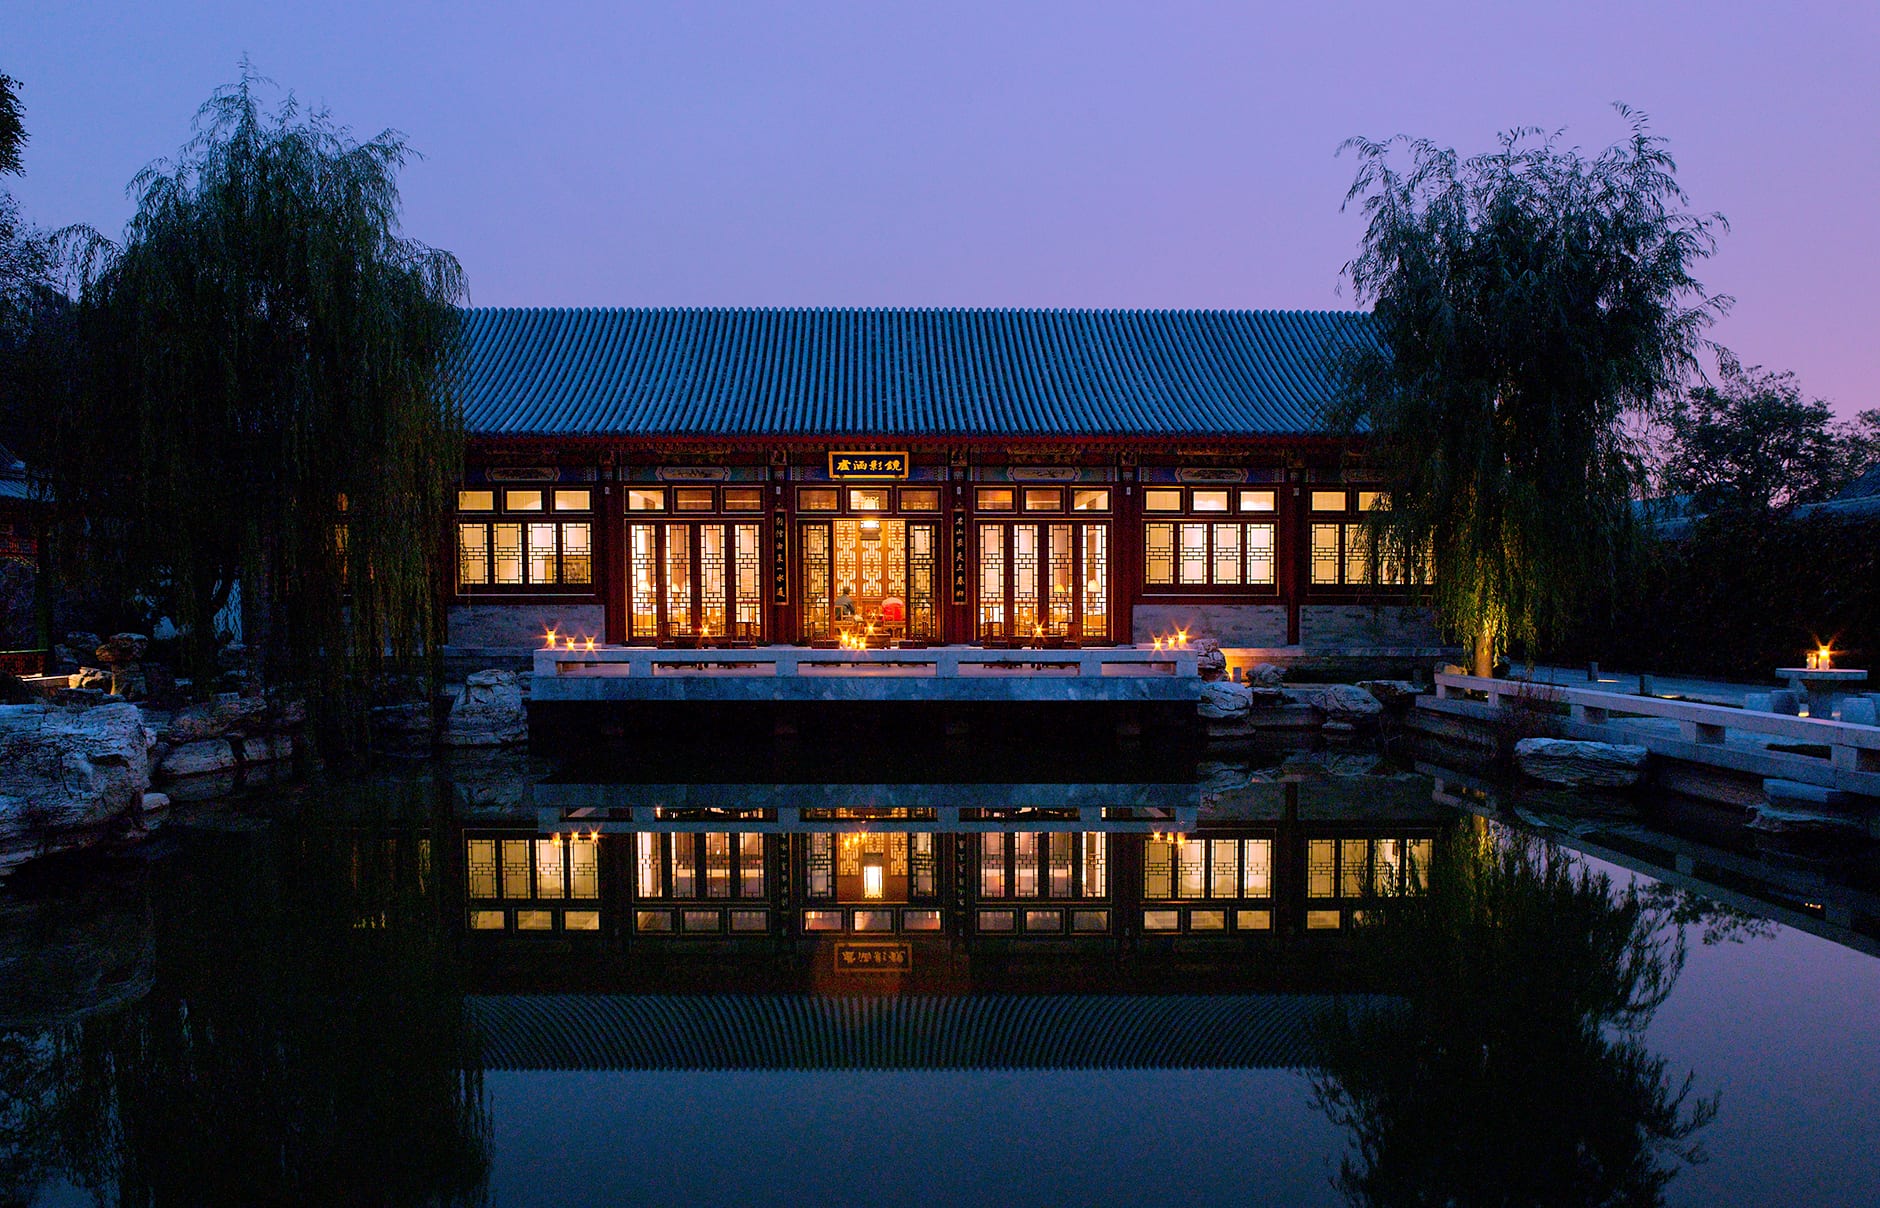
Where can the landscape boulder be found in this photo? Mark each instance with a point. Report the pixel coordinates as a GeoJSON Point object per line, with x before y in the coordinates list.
{"type": "Point", "coordinates": [267, 748]}
{"type": "Point", "coordinates": [1266, 675]}
{"type": "Point", "coordinates": [1223, 700]}
{"type": "Point", "coordinates": [199, 758]}
{"type": "Point", "coordinates": [1343, 703]}
{"type": "Point", "coordinates": [1209, 660]}
{"type": "Point", "coordinates": [65, 773]}
{"type": "Point", "coordinates": [92, 677]}
{"type": "Point", "coordinates": [1394, 695]}
{"type": "Point", "coordinates": [1580, 764]}
{"type": "Point", "coordinates": [122, 648]}
{"type": "Point", "coordinates": [487, 712]}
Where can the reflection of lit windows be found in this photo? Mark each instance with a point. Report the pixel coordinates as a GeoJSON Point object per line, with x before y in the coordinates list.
{"type": "Point", "coordinates": [1321, 868]}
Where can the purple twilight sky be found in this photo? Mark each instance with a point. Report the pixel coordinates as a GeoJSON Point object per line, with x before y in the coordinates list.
{"type": "Point", "coordinates": [1030, 154]}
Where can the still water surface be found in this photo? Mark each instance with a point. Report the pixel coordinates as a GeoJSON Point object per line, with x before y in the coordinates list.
{"type": "Point", "coordinates": [292, 1001]}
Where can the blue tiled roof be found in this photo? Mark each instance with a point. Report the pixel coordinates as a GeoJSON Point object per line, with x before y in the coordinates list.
{"type": "Point", "coordinates": [898, 372]}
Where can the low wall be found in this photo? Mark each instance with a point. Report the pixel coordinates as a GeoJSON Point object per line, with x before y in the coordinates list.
{"type": "Point", "coordinates": [1344, 626]}
{"type": "Point", "coordinates": [521, 626]}
{"type": "Point", "coordinates": [1228, 624]}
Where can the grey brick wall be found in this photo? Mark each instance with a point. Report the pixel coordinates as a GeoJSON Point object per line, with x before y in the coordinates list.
{"type": "Point", "coordinates": [492, 626]}
{"type": "Point", "coordinates": [1342, 626]}
{"type": "Point", "coordinates": [1228, 624]}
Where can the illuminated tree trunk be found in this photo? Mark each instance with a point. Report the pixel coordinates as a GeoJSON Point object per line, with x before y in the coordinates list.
{"type": "Point", "coordinates": [1483, 660]}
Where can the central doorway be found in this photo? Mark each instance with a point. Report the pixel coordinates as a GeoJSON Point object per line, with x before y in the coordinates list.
{"type": "Point", "coordinates": [871, 578]}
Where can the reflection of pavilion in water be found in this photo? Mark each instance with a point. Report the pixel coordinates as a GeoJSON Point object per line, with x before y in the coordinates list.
{"type": "Point", "coordinates": [983, 867]}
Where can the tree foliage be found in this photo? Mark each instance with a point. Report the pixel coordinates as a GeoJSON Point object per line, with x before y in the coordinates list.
{"type": "Point", "coordinates": [1526, 301]}
{"type": "Point", "coordinates": [1751, 441]}
{"type": "Point", "coordinates": [1511, 1070]}
{"type": "Point", "coordinates": [269, 372]}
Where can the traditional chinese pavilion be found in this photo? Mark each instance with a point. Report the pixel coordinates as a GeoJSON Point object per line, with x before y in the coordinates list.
{"type": "Point", "coordinates": [730, 477]}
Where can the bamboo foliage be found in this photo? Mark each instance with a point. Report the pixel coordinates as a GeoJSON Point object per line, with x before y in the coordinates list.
{"type": "Point", "coordinates": [273, 359]}
{"type": "Point", "coordinates": [1528, 301]}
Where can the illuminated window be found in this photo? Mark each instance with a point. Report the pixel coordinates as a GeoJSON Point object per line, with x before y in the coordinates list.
{"type": "Point", "coordinates": [1325, 554]}
{"type": "Point", "coordinates": [1373, 501]}
{"type": "Point", "coordinates": [572, 501]}
{"type": "Point", "coordinates": [1256, 868]}
{"type": "Point", "coordinates": [473, 554]}
{"type": "Point", "coordinates": [542, 562]}
{"type": "Point", "coordinates": [744, 499]}
{"type": "Point", "coordinates": [1159, 553]}
{"type": "Point", "coordinates": [992, 866]}
{"type": "Point", "coordinates": [693, 499]}
{"type": "Point", "coordinates": [868, 499]}
{"type": "Point", "coordinates": [1259, 501]}
{"type": "Point", "coordinates": [1260, 561]}
{"type": "Point", "coordinates": [577, 554]}
{"type": "Point", "coordinates": [549, 878]}
{"type": "Point", "coordinates": [1253, 920]}
{"type": "Point", "coordinates": [818, 499]}
{"type": "Point", "coordinates": [1321, 868]}
{"type": "Point", "coordinates": [1162, 501]}
{"type": "Point", "coordinates": [646, 499]}
{"type": "Point", "coordinates": [1210, 501]}
{"type": "Point", "coordinates": [1328, 501]}
{"type": "Point", "coordinates": [1223, 868]}
{"type": "Point", "coordinates": [515, 868]}
{"type": "Point", "coordinates": [507, 542]}
{"type": "Point", "coordinates": [920, 499]}
{"type": "Point", "coordinates": [487, 920]}
{"type": "Point", "coordinates": [1090, 500]}
{"type": "Point", "coordinates": [1161, 920]}
{"type": "Point", "coordinates": [1043, 499]}
{"type": "Point", "coordinates": [993, 499]}
{"type": "Point", "coordinates": [480, 867]}
{"type": "Point", "coordinates": [580, 920]}
{"type": "Point", "coordinates": [522, 501]}
{"type": "Point", "coordinates": [476, 501]}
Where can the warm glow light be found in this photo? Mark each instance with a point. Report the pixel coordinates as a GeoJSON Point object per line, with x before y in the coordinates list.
{"type": "Point", "coordinates": [551, 639]}
{"type": "Point", "coordinates": [871, 880]}
{"type": "Point", "coordinates": [590, 643]}
{"type": "Point", "coordinates": [1158, 643]}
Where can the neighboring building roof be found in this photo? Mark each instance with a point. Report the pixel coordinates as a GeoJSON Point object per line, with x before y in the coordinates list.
{"type": "Point", "coordinates": [1867, 486]}
{"type": "Point", "coordinates": [791, 1032]}
{"type": "Point", "coordinates": [899, 372]}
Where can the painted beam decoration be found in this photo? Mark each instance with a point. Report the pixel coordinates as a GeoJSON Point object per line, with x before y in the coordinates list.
{"type": "Point", "coordinates": [852, 465]}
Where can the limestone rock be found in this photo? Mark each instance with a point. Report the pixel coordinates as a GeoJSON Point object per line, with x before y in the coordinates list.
{"type": "Point", "coordinates": [1343, 702]}
{"type": "Point", "coordinates": [155, 808]}
{"type": "Point", "coordinates": [1266, 675]}
{"type": "Point", "coordinates": [128, 681]}
{"type": "Point", "coordinates": [64, 773]}
{"type": "Point", "coordinates": [239, 712]}
{"type": "Point", "coordinates": [1392, 694]}
{"type": "Point", "coordinates": [1571, 762]}
{"type": "Point", "coordinates": [198, 758]}
{"type": "Point", "coordinates": [192, 724]}
{"type": "Point", "coordinates": [487, 712]}
{"type": "Point", "coordinates": [122, 648]}
{"type": "Point", "coordinates": [1224, 699]}
{"type": "Point", "coordinates": [92, 677]}
{"type": "Point", "coordinates": [267, 749]}
{"type": "Point", "coordinates": [81, 697]}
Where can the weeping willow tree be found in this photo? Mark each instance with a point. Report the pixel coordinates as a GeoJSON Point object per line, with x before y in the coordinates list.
{"type": "Point", "coordinates": [269, 362]}
{"type": "Point", "coordinates": [1528, 302]}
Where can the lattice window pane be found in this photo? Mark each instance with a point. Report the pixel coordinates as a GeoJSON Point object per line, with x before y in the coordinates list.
{"type": "Point", "coordinates": [1351, 870]}
{"type": "Point", "coordinates": [1158, 553]}
{"type": "Point", "coordinates": [1321, 868]}
{"type": "Point", "coordinates": [1061, 579]}
{"type": "Point", "coordinates": [1260, 560]}
{"type": "Point", "coordinates": [751, 865]}
{"type": "Point", "coordinates": [480, 867]}
{"type": "Point", "coordinates": [921, 542]}
{"type": "Point", "coordinates": [1227, 555]}
{"type": "Point", "coordinates": [515, 868]}
{"type": "Point", "coordinates": [717, 864]}
{"type": "Point", "coordinates": [679, 578]}
{"type": "Point", "coordinates": [1419, 857]}
{"type": "Point", "coordinates": [1325, 554]}
{"type": "Point", "coordinates": [1158, 869]}
{"type": "Point", "coordinates": [922, 869]}
{"type": "Point", "coordinates": [507, 541]}
{"type": "Point", "coordinates": [649, 865]}
{"type": "Point", "coordinates": [584, 876]}
{"type": "Point", "coordinates": [1058, 884]}
{"type": "Point", "coordinates": [711, 579]}
{"type": "Point", "coordinates": [1386, 865]}
{"type": "Point", "coordinates": [1025, 864]}
{"type": "Point", "coordinates": [820, 866]}
{"type": "Point", "coordinates": [1025, 568]}
{"type": "Point", "coordinates": [1096, 622]}
{"type": "Point", "coordinates": [816, 577]}
{"type": "Point", "coordinates": [748, 578]}
{"type": "Point", "coordinates": [684, 866]}
{"type": "Point", "coordinates": [473, 554]}
{"type": "Point", "coordinates": [1256, 868]}
{"type": "Point", "coordinates": [643, 542]}
{"type": "Point", "coordinates": [992, 866]}
{"type": "Point", "coordinates": [549, 877]}
{"type": "Point", "coordinates": [577, 553]}
{"type": "Point", "coordinates": [542, 553]}
{"type": "Point", "coordinates": [1224, 870]}
{"type": "Point", "coordinates": [1193, 868]}
{"type": "Point", "coordinates": [1194, 560]}
{"type": "Point", "coordinates": [1357, 553]}
{"type": "Point", "coordinates": [992, 579]}
{"type": "Point", "coordinates": [1096, 864]}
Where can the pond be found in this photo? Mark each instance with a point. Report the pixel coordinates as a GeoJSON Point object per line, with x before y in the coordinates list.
{"type": "Point", "coordinates": [703, 976]}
